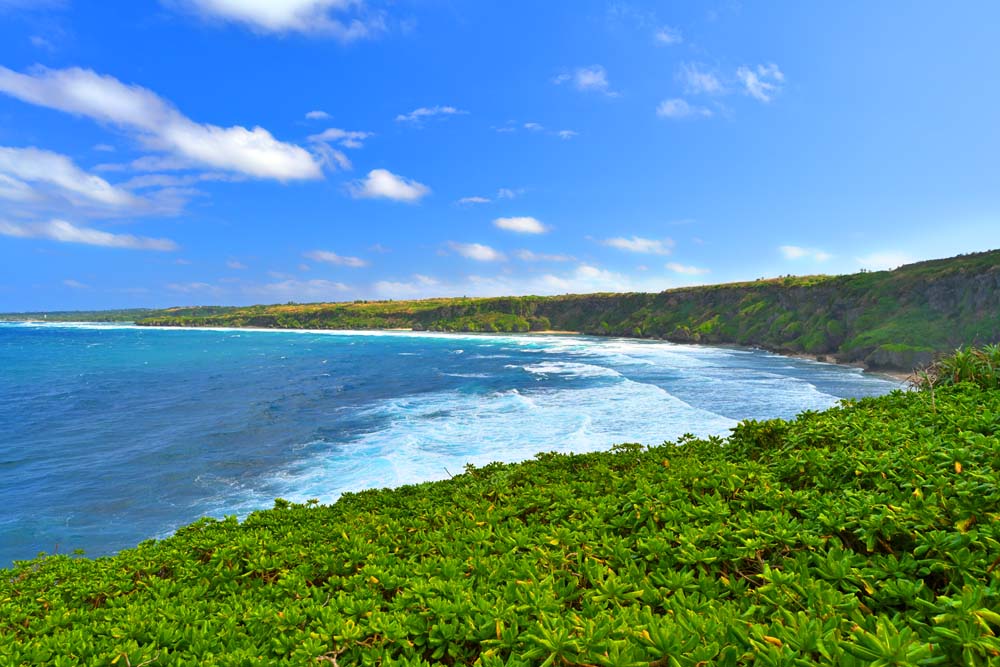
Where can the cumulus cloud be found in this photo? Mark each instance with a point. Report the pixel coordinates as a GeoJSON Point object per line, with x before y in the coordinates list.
{"type": "Point", "coordinates": [679, 108]}
{"type": "Point", "coordinates": [334, 258]}
{"type": "Point", "coordinates": [641, 245]}
{"type": "Point", "coordinates": [474, 200]}
{"type": "Point", "coordinates": [159, 125]}
{"type": "Point", "coordinates": [884, 261]}
{"type": "Point", "coordinates": [383, 184]}
{"type": "Point", "coordinates": [346, 138]}
{"type": "Point", "coordinates": [284, 16]}
{"type": "Point", "coordinates": [194, 288]}
{"type": "Point", "coordinates": [798, 252]}
{"type": "Point", "coordinates": [581, 279]}
{"type": "Point", "coordinates": [566, 134]}
{"type": "Point", "coordinates": [535, 127]}
{"type": "Point", "coordinates": [521, 225]}
{"type": "Point", "coordinates": [299, 290]}
{"type": "Point", "coordinates": [698, 80]}
{"type": "Point", "coordinates": [529, 256]}
{"type": "Point", "coordinates": [20, 166]}
{"type": "Point", "coordinates": [667, 36]}
{"type": "Point", "coordinates": [66, 232]}
{"type": "Point", "coordinates": [762, 82]}
{"type": "Point", "coordinates": [477, 251]}
{"type": "Point", "coordinates": [420, 286]}
{"type": "Point", "coordinates": [686, 270]}
{"type": "Point", "coordinates": [317, 115]}
{"type": "Point", "coordinates": [423, 113]}
{"type": "Point", "coordinates": [587, 79]}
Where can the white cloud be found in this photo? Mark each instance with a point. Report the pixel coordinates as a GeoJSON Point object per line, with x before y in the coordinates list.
{"type": "Point", "coordinates": [383, 184]}
{"type": "Point", "coordinates": [884, 261]}
{"type": "Point", "coordinates": [317, 115]}
{"type": "Point", "coordinates": [194, 288]}
{"type": "Point", "coordinates": [159, 125]}
{"type": "Point", "coordinates": [697, 80]}
{"type": "Point", "coordinates": [798, 252]}
{"type": "Point", "coordinates": [284, 16]}
{"type": "Point", "coordinates": [334, 258]}
{"type": "Point", "coordinates": [299, 290]}
{"type": "Point", "coordinates": [104, 148]}
{"type": "Point", "coordinates": [427, 112]}
{"type": "Point", "coordinates": [12, 189]}
{"type": "Point", "coordinates": [641, 245]}
{"type": "Point", "coordinates": [508, 193]}
{"type": "Point", "coordinates": [521, 225]}
{"type": "Point", "coordinates": [75, 284]}
{"type": "Point", "coordinates": [65, 232]}
{"type": "Point", "coordinates": [476, 251]}
{"type": "Point", "coordinates": [686, 270]}
{"type": "Point", "coordinates": [346, 138]}
{"type": "Point", "coordinates": [582, 279]}
{"type": "Point", "coordinates": [668, 36]}
{"type": "Point", "coordinates": [679, 108]}
{"type": "Point", "coordinates": [535, 127]}
{"type": "Point", "coordinates": [169, 181]}
{"type": "Point", "coordinates": [52, 169]}
{"type": "Point", "coordinates": [233, 264]}
{"type": "Point", "coordinates": [566, 134]}
{"type": "Point", "coordinates": [331, 157]}
{"type": "Point", "coordinates": [474, 200]}
{"type": "Point", "coordinates": [420, 286]}
{"type": "Point", "coordinates": [761, 83]}
{"type": "Point", "coordinates": [588, 79]}
{"type": "Point", "coordinates": [529, 256]}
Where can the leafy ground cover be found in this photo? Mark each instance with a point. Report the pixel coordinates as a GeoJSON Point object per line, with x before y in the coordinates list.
{"type": "Point", "coordinates": [868, 534]}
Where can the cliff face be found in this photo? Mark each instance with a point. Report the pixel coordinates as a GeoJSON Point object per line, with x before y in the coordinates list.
{"type": "Point", "coordinates": [889, 319]}
{"type": "Point", "coordinates": [896, 319]}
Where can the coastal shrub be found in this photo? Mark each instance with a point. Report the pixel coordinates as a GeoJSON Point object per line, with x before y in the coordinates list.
{"type": "Point", "coordinates": [978, 366]}
{"type": "Point", "coordinates": [865, 534]}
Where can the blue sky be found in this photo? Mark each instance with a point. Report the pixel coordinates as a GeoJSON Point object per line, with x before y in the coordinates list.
{"type": "Point", "coordinates": [169, 152]}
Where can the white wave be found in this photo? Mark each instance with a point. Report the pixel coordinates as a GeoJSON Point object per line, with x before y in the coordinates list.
{"type": "Point", "coordinates": [426, 437]}
{"type": "Point", "coordinates": [570, 369]}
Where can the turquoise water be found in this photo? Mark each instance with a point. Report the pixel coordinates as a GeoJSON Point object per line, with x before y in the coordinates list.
{"type": "Point", "coordinates": [116, 434]}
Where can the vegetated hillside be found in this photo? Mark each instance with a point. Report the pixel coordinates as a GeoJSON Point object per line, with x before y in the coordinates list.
{"type": "Point", "coordinates": [868, 534]}
{"type": "Point", "coordinates": [126, 315]}
{"type": "Point", "coordinates": [887, 319]}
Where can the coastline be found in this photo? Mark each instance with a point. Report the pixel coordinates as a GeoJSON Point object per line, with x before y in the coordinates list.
{"type": "Point", "coordinates": [898, 375]}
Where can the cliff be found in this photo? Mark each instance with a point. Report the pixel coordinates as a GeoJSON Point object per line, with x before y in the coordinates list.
{"type": "Point", "coordinates": [884, 320]}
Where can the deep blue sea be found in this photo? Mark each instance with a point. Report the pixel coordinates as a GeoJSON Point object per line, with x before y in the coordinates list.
{"type": "Point", "coordinates": [110, 435]}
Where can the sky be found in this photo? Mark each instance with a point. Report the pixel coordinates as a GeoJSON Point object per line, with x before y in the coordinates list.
{"type": "Point", "coordinates": [180, 152]}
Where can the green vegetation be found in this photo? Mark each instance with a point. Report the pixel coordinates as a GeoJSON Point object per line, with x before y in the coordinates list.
{"type": "Point", "coordinates": [868, 534]}
{"type": "Point", "coordinates": [888, 319]}
{"type": "Point", "coordinates": [884, 320]}
{"type": "Point", "coordinates": [978, 366]}
{"type": "Point", "coordinates": [127, 315]}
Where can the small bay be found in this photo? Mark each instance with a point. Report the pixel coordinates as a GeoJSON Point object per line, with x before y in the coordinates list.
{"type": "Point", "coordinates": [113, 434]}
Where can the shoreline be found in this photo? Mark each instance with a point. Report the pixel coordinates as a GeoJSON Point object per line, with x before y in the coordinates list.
{"type": "Point", "coordinates": [897, 375]}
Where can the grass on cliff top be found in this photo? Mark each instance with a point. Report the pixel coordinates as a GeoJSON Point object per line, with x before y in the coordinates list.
{"type": "Point", "coordinates": [868, 534]}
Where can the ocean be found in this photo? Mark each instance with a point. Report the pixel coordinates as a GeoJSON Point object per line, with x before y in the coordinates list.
{"type": "Point", "coordinates": [114, 434]}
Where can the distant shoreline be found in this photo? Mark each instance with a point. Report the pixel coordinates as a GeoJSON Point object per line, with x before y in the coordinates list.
{"type": "Point", "coordinates": [900, 376]}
